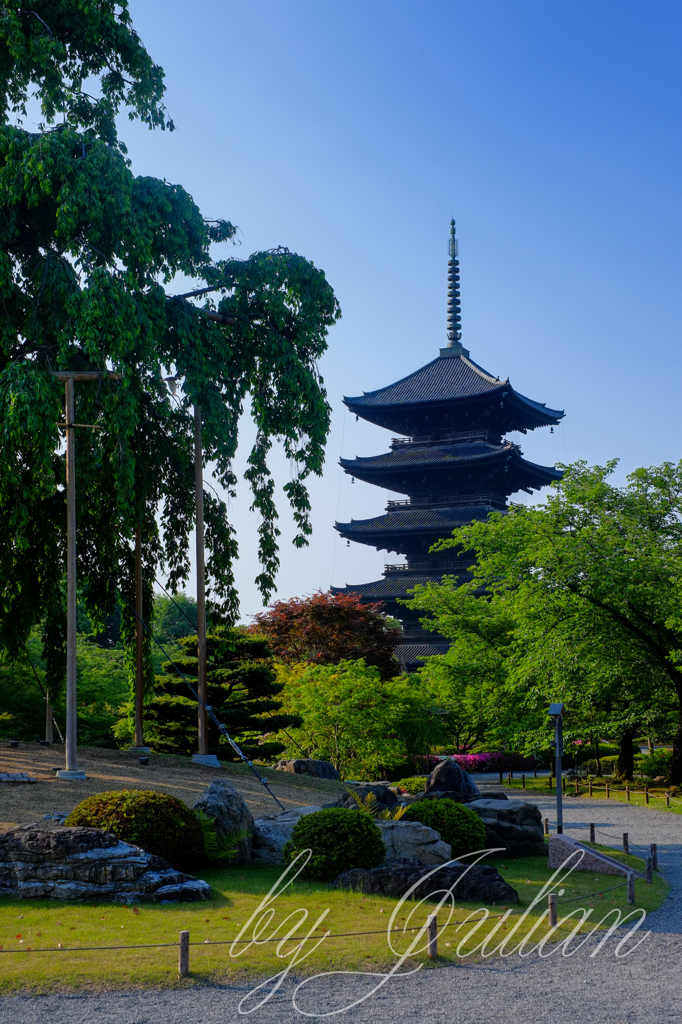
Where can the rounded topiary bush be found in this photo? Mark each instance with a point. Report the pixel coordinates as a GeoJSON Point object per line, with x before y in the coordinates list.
{"type": "Point", "coordinates": [413, 785]}
{"type": "Point", "coordinates": [157, 822]}
{"type": "Point", "coordinates": [340, 839]}
{"type": "Point", "coordinates": [458, 825]}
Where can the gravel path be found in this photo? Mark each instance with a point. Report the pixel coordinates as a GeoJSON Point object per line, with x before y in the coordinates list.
{"type": "Point", "coordinates": [644, 988]}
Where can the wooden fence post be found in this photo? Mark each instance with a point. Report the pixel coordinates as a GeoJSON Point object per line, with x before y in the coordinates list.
{"type": "Point", "coordinates": [523, 782]}
{"type": "Point", "coordinates": [577, 788]}
{"type": "Point", "coordinates": [183, 958]}
{"type": "Point", "coordinates": [626, 843]}
{"type": "Point", "coordinates": [501, 783]}
{"type": "Point", "coordinates": [432, 935]}
{"type": "Point", "coordinates": [654, 856]}
{"type": "Point", "coordinates": [627, 793]}
{"type": "Point", "coordinates": [546, 826]}
{"type": "Point", "coordinates": [589, 786]}
{"type": "Point", "coordinates": [667, 799]}
{"type": "Point", "coordinates": [592, 839]}
{"type": "Point", "coordinates": [551, 904]}
{"type": "Point", "coordinates": [646, 794]}
{"type": "Point", "coordinates": [649, 869]}
{"type": "Point", "coordinates": [631, 888]}
{"type": "Point", "coordinates": [607, 790]}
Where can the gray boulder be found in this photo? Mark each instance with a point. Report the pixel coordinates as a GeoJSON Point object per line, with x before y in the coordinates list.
{"type": "Point", "coordinates": [512, 824]}
{"type": "Point", "coordinates": [53, 861]}
{"type": "Point", "coordinates": [309, 766]}
{"type": "Point", "coordinates": [413, 842]}
{"type": "Point", "coordinates": [481, 883]}
{"type": "Point", "coordinates": [226, 805]}
{"type": "Point", "coordinates": [272, 832]}
{"type": "Point", "coordinates": [385, 796]}
{"type": "Point", "coordinates": [449, 780]}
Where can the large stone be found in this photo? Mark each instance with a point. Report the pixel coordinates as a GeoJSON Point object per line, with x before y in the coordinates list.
{"type": "Point", "coordinates": [272, 832]}
{"type": "Point", "coordinates": [561, 847]}
{"type": "Point", "coordinates": [53, 861]}
{"type": "Point", "coordinates": [385, 796]}
{"type": "Point", "coordinates": [480, 883]}
{"type": "Point", "coordinates": [309, 766]}
{"type": "Point", "coordinates": [226, 805]}
{"type": "Point", "coordinates": [449, 780]}
{"type": "Point", "coordinates": [514, 825]}
{"type": "Point", "coordinates": [413, 842]}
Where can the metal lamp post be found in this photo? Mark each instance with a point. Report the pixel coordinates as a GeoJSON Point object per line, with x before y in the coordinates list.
{"type": "Point", "coordinates": [556, 711]}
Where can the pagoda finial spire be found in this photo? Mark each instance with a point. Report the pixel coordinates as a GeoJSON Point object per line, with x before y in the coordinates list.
{"type": "Point", "coordinates": [454, 307]}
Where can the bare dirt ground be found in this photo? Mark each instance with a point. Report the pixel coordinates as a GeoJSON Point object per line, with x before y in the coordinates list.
{"type": "Point", "coordinates": [22, 803]}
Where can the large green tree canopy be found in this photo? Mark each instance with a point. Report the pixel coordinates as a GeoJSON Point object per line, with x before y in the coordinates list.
{"type": "Point", "coordinates": [580, 600]}
{"type": "Point", "coordinates": [88, 256]}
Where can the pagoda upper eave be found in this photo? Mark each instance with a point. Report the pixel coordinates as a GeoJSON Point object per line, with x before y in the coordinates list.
{"type": "Point", "coordinates": [452, 392]}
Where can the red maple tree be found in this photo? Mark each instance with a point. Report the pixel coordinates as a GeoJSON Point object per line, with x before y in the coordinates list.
{"type": "Point", "coordinates": [326, 628]}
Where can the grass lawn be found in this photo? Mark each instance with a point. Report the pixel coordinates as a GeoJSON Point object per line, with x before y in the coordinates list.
{"type": "Point", "coordinates": [656, 796]}
{"type": "Point", "coordinates": [30, 925]}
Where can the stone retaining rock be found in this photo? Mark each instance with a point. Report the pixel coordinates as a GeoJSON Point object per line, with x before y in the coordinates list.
{"type": "Point", "coordinates": [512, 824]}
{"type": "Point", "coordinates": [449, 780]}
{"type": "Point", "coordinates": [51, 860]}
{"type": "Point", "coordinates": [481, 883]}
{"type": "Point", "coordinates": [309, 766]}
{"type": "Point", "coordinates": [226, 805]}
{"type": "Point", "coordinates": [272, 832]}
{"type": "Point", "coordinates": [413, 842]}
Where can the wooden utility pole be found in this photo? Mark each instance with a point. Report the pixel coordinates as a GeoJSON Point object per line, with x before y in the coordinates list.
{"type": "Point", "coordinates": [139, 642]}
{"type": "Point", "coordinates": [201, 586]}
{"type": "Point", "coordinates": [69, 377]}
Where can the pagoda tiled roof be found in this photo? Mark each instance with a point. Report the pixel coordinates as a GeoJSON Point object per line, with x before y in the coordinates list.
{"type": "Point", "coordinates": [427, 454]}
{"type": "Point", "coordinates": [440, 521]}
{"type": "Point", "coordinates": [442, 379]}
{"type": "Point", "coordinates": [448, 379]}
{"type": "Point", "coordinates": [389, 588]}
{"type": "Point", "coordinates": [412, 654]}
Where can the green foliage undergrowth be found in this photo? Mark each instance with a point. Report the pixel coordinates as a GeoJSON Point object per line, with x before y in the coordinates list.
{"type": "Point", "coordinates": [157, 822]}
{"type": "Point", "coordinates": [458, 826]}
{"type": "Point", "coordinates": [340, 839]}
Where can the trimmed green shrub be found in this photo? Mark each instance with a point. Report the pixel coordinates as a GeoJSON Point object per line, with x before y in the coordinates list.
{"type": "Point", "coordinates": [340, 839]}
{"type": "Point", "coordinates": [157, 822]}
{"type": "Point", "coordinates": [413, 784]}
{"type": "Point", "coordinates": [458, 825]}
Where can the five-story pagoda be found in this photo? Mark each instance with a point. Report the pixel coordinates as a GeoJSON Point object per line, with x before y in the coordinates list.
{"type": "Point", "coordinates": [452, 463]}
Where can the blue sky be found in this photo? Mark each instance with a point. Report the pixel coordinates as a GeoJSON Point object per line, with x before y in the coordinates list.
{"type": "Point", "coordinates": [352, 131]}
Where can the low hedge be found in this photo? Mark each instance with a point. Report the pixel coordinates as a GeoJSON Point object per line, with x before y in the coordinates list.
{"type": "Point", "coordinates": [413, 785]}
{"type": "Point", "coordinates": [159, 823]}
{"type": "Point", "coordinates": [458, 825]}
{"type": "Point", "coordinates": [340, 839]}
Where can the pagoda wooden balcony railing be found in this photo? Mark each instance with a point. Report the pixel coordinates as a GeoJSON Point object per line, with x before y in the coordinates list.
{"type": "Point", "coordinates": [447, 438]}
{"type": "Point", "coordinates": [453, 566]}
{"type": "Point", "coordinates": [449, 501]}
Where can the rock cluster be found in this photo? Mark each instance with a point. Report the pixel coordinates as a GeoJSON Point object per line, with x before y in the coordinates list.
{"type": "Point", "coordinates": [272, 832]}
{"type": "Point", "coordinates": [226, 805]}
{"type": "Point", "coordinates": [309, 766]}
{"type": "Point", "coordinates": [479, 883]}
{"type": "Point", "coordinates": [449, 780]}
{"type": "Point", "coordinates": [51, 860]}
{"type": "Point", "coordinates": [512, 824]}
{"type": "Point", "coordinates": [413, 842]}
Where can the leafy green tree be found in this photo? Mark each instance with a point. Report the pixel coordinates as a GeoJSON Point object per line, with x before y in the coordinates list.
{"type": "Point", "coordinates": [174, 618]}
{"type": "Point", "coordinates": [87, 253]}
{"type": "Point", "coordinates": [358, 721]}
{"type": "Point", "coordinates": [589, 586]}
{"type": "Point", "coordinates": [242, 690]}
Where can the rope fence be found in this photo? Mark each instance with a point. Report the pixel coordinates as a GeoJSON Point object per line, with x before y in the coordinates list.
{"type": "Point", "coordinates": [592, 788]}
{"type": "Point", "coordinates": [183, 945]}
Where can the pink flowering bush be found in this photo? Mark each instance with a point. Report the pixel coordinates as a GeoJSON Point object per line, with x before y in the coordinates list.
{"type": "Point", "coordinates": [491, 761]}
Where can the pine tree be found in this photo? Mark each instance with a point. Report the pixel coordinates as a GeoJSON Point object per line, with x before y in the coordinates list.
{"type": "Point", "coordinates": [242, 691]}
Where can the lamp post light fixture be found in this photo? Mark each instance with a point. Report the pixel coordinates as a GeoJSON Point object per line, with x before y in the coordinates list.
{"type": "Point", "coordinates": [556, 711]}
